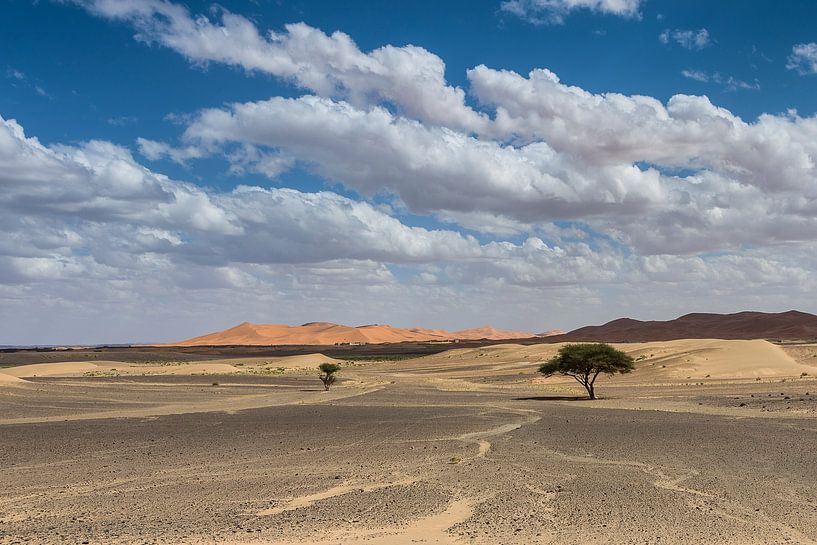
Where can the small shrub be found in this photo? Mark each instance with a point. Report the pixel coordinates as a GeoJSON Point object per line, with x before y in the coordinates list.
{"type": "Point", "coordinates": [327, 375]}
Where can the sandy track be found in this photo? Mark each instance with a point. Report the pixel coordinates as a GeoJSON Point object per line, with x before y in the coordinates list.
{"type": "Point", "coordinates": [199, 398]}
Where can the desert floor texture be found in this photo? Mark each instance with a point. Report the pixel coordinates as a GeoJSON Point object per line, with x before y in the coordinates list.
{"type": "Point", "coordinates": [706, 442]}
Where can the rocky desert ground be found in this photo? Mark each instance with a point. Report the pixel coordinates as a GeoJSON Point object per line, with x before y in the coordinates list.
{"type": "Point", "coordinates": [707, 441]}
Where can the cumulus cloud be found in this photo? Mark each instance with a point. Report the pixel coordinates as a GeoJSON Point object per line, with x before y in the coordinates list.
{"type": "Point", "coordinates": [91, 231]}
{"type": "Point", "coordinates": [555, 11]}
{"type": "Point", "coordinates": [689, 39]}
{"type": "Point", "coordinates": [803, 59]}
{"type": "Point", "coordinates": [249, 159]}
{"type": "Point", "coordinates": [687, 131]}
{"type": "Point", "coordinates": [99, 183]}
{"type": "Point", "coordinates": [429, 168]}
{"type": "Point", "coordinates": [607, 160]}
{"type": "Point", "coordinates": [410, 77]}
{"type": "Point", "coordinates": [554, 199]}
{"type": "Point", "coordinates": [64, 215]}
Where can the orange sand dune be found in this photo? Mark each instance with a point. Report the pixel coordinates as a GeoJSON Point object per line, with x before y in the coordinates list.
{"type": "Point", "coordinates": [324, 333]}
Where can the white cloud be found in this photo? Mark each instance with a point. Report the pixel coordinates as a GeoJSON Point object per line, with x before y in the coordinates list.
{"type": "Point", "coordinates": [122, 120]}
{"type": "Point", "coordinates": [92, 232]}
{"type": "Point", "coordinates": [594, 204]}
{"type": "Point", "coordinates": [13, 73]}
{"type": "Point", "coordinates": [774, 153]}
{"type": "Point", "coordinates": [154, 151]}
{"type": "Point", "coordinates": [555, 11]}
{"type": "Point", "coordinates": [729, 83]}
{"type": "Point", "coordinates": [803, 58]}
{"type": "Point", "coordinates": [409, 77]}
{"type": "Point", "coordinates": [250, 159]}
{"type": "Point", "coordinates": [689, 39]}
{"type": "Point", "coordinates": [697, 75]}
{"type": "Point", "coordinates": [98, 181]}
{"type": "Point", "coordinates": [101, 184]}
{"type": "Point", "coordinates": [587, 171]}
{"type": "Point", "coordinates": [431, 169]}
{"type": "Point", "coordinates": [575, 155]}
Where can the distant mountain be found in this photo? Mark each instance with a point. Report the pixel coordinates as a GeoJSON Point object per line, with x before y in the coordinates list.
{"type": "Point", "coordinates": [325, 333]}
{"type": "Point", "coordinates": [791, 325]}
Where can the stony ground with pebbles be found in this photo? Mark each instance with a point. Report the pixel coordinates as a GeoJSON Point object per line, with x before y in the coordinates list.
{"type": "Point", "coordinates": [392, 457]}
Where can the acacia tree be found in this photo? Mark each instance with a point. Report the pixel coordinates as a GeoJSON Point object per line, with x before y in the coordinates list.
{"type": "Point", "coordinates": [585, 362]}
{"type": "Point", "coordinates": [327, 375]}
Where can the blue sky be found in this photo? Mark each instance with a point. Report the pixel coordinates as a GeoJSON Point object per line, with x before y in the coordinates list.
{"type": "Point", "coordinates": [93, 71]}
{"type": "Point", "coordinates": [663, 172]}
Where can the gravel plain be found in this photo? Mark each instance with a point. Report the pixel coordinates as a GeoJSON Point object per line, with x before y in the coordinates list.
{"type": "Point", "coordinates": [390, 456]}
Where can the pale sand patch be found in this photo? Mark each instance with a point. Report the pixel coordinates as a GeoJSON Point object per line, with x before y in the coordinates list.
{"type": "Point", "coordinates": [175, 370]}
{"type": "Point", "coordinates": [655, 361]}
{"type": "Point", "coordinates": [76, 369]}
{"type": "Point", "coordinates": [210, 367]}
{"type": "Point", "coordinates": [10, 380]}
{"type": "Point", "coordinates": [431, 530]}
{"type": "Point", "coordinates": [731, 359]}
{"type": "Point", "coordinates": [301, 361]}
{"type": "Point", "coordinates": [229, 405]}
{"type": "Point", "coordinates": [60, 369]}
{"type": "Point", "coordinates": [340, 490]}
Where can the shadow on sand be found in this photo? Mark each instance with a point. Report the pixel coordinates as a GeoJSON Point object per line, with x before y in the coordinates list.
{"type": "Point", "coordinates": [553, 398]}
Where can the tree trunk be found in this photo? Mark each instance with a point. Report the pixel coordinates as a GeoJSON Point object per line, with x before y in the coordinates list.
{"type": "Point", "coordinates": [588, 385]}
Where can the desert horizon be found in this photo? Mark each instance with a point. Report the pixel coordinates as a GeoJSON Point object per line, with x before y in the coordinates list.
{"type": "Point", "coordinates": [788, 325]}
{"type": "Point", "coordinates": [517, 272]}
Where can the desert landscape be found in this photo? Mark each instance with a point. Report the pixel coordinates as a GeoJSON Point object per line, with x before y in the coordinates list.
{"type": "Point", "coordinates": [502, 272]}
{"type": "Point", "coordinates": [464, 445]}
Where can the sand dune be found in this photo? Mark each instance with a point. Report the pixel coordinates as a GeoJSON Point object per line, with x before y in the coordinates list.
{"type": "Point", "coordinates": [324, 333]}
{"type": "Point", "coordinates": [62, 369]}
{"type": "Point", "coordinates": [655, 361]}
{"type": "Point", "coordinates": [725, 359]}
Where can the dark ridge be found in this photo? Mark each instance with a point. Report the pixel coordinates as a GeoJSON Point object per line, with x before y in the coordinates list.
{"type": "Point", "coordinates": [789, 326]}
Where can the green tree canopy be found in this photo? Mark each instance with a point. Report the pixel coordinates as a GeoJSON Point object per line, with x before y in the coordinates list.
{"type": "Point", "coordinates": [327, 375]}
{"type": "Point", "coordinates": [585, 362]}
